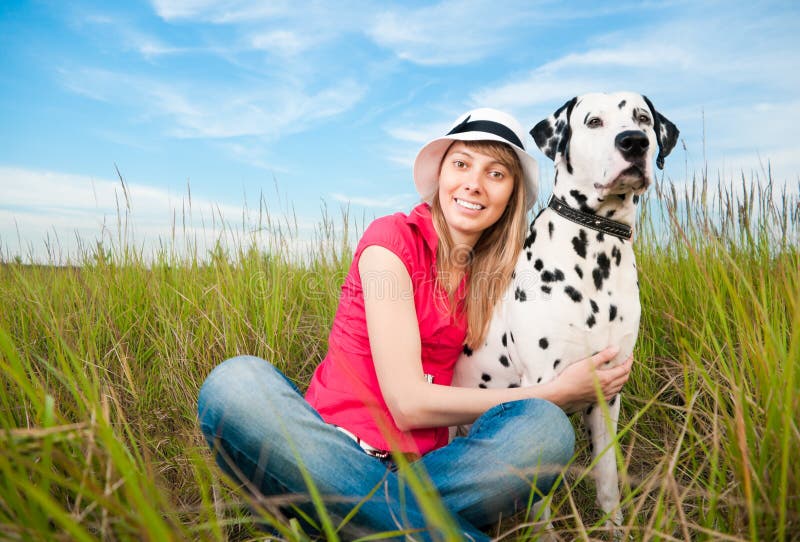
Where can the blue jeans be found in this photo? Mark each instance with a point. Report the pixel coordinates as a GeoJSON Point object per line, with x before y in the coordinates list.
{"type": "Point", "coordinates": [265, 432]}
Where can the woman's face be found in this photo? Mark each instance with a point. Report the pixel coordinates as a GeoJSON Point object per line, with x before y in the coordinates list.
{"type": "Point", "coordinates": [474, 190]}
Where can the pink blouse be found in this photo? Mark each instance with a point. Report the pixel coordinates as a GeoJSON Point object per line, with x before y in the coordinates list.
{"type": "Point", "coordinates": [344, 388]}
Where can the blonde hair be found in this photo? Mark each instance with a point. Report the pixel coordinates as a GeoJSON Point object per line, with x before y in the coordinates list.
{"type": "Point", "coordinates": [490, 263]}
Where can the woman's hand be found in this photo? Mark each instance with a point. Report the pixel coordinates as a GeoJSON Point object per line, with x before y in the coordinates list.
{"type": "Point", "coordinates": [577, 385]}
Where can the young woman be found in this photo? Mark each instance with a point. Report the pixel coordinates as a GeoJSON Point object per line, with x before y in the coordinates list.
{"type": "Point", "coordinates": [420, 289]}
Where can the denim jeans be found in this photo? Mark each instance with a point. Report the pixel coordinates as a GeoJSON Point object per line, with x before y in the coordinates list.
{"type": "Point", "coordinates": [263, 430]}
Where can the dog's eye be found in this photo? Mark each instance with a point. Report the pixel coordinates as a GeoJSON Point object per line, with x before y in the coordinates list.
{"type": "Point", "coordinates": [644, 119]}
{"type": "Point", "coordinates": [594, 122]}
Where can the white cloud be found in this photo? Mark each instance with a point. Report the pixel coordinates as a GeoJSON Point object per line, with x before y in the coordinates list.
{"type": "Point", "coordinates": [450, 32]}
{"type": "Point", "coordinates": [74, 211]}
{"type": "Point", "coordinates": [216, 111]}
{"type": "Point", "coordinates": [283, 42]}
{"type": "Point", "coordinates": [631, 55]}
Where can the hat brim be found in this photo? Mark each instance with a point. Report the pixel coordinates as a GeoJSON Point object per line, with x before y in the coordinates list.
{"type": "Point", "coordinates": [429, 160]}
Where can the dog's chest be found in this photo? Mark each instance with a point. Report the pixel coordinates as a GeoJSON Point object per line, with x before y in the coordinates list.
{"type": "Point", "coordinates": [574, 292]}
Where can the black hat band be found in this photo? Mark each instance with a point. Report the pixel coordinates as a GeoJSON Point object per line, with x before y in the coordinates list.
{"type": "Point", "coordinates": [490, 127]}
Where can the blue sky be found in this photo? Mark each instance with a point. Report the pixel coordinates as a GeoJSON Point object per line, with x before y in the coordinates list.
{"type": "Point", "coordinates": [316, 104]}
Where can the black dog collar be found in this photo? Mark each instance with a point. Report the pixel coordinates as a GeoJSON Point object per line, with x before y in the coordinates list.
{"type": "Point", "coordinates": [598, 223]}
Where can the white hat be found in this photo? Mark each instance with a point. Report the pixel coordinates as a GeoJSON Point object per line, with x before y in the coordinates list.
{"type": "Point", "coordinates": [477, 125]}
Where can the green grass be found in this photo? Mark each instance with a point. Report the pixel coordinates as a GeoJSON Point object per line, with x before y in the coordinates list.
{"type": "Point", "coordinates": [101, 362]}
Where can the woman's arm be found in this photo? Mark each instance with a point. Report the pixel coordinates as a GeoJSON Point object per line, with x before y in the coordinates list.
{"type": "Point", "coordinates": [396, 350]}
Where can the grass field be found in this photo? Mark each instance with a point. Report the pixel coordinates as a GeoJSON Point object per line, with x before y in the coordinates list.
{"type": "Point", "coordinates": [101, 362]}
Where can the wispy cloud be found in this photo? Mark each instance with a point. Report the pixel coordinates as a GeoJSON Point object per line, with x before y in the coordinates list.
{"type": "Point", "coordinates": [214, 110]}
{"type": "Point", "coordinates": [283, 42]}
{"type": "Point", "coordinates": [450, 32]}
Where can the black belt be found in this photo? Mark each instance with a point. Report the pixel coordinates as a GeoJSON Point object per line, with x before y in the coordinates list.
{"type": "Point", "coordinates": [595, 222]}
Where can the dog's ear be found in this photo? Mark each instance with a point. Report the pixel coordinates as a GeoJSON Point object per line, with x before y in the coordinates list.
{"type": "Point", "coordinates": [666, 133]}
{"type": "Point", "coordinates": [552, 135]}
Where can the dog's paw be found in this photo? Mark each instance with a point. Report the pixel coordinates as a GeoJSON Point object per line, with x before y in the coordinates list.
{"type": "Point", "coordinates": [614, 526]}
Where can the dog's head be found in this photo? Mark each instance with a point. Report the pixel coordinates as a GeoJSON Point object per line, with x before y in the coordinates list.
{"type": "Point", "coordinates": [607, 140]}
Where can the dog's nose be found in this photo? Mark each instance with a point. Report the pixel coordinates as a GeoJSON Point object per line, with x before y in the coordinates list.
{"type": "Point", "coordinates": [632, 143]}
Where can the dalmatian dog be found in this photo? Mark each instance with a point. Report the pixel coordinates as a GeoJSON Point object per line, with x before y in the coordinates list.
{"type": "Point", "coordinates": [574, 290]}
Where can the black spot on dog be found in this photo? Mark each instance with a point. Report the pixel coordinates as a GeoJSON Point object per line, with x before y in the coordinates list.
{"type": "Point", "coordinates": [511, 335]}
{"type": "Point", "coordinates": [538, 265]}
{"type": "Point", "coordinates": [635, 199]}
{"type": "Point", "coordinates": [529, 254]}
{"type": "Point", "coordinates": [550, 229]}
{"type": "Point", "coordinates": [612, 401]}
{"type": "Point", "coordinates": [612, 313]}
{"type": "Point", "coordinates": [616, 254]}
{"type": "Point", "coordinates": [538, 379]}
{"type": "Point", "coordinates": [546, 289]}
{"type": "Point", "coordinates": [504, 340]}
{"type": "Point", "coordinates": [591, 321]}
{"type": "Point", "coordinates": [467, 350]}
{"type": "Point", "coordinates": [486, 377]}
{"type": "Point", "coordinates": [579, 243]}
{"type": "Point", "coordinates": [622, 104]}
{"type": "Point", "coordinates": [573, 294]}
{"type": "Point", "coordinates": [482, 385]}
{"type": "Point", "coordinates": [589, 411]}
{"type": "Point", "coordinates": [530, 239]}
{"type": "Point", "coordinates": [581, 199]}
{"type": "Point", "coordinates": [553, 276]}
{"type": "Point", "coordinates": [586, 117]}
{"type": "Point", "coordinates": [579, 271]}
{"type": "Point", "coordinates": [600, 236]}
{"type": "Point", "coordinates": [595, 308]}
{"type": "Point", "coordinates": [513, 385]}
{"type": "Point", "coordinates": [513, 274]}
{"type": "Point", "coordinates": [544, 343]}
{"type": "Point", "coordinates": [610, 213]}
{"type": "Point", "coordinates": [520, 295]}
{"type": "Point", "coordinates": [556, 363]}
{"type": "Point", "coordinates": [504, 360]}
{"type": "Point", "coordinates": [621, 197]}
{"type": "Point", "coordinates": [601, 272]}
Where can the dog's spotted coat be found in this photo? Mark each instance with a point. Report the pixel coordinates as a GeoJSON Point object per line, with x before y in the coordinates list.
{"type": "Point", "coordinates": [574, 290]}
